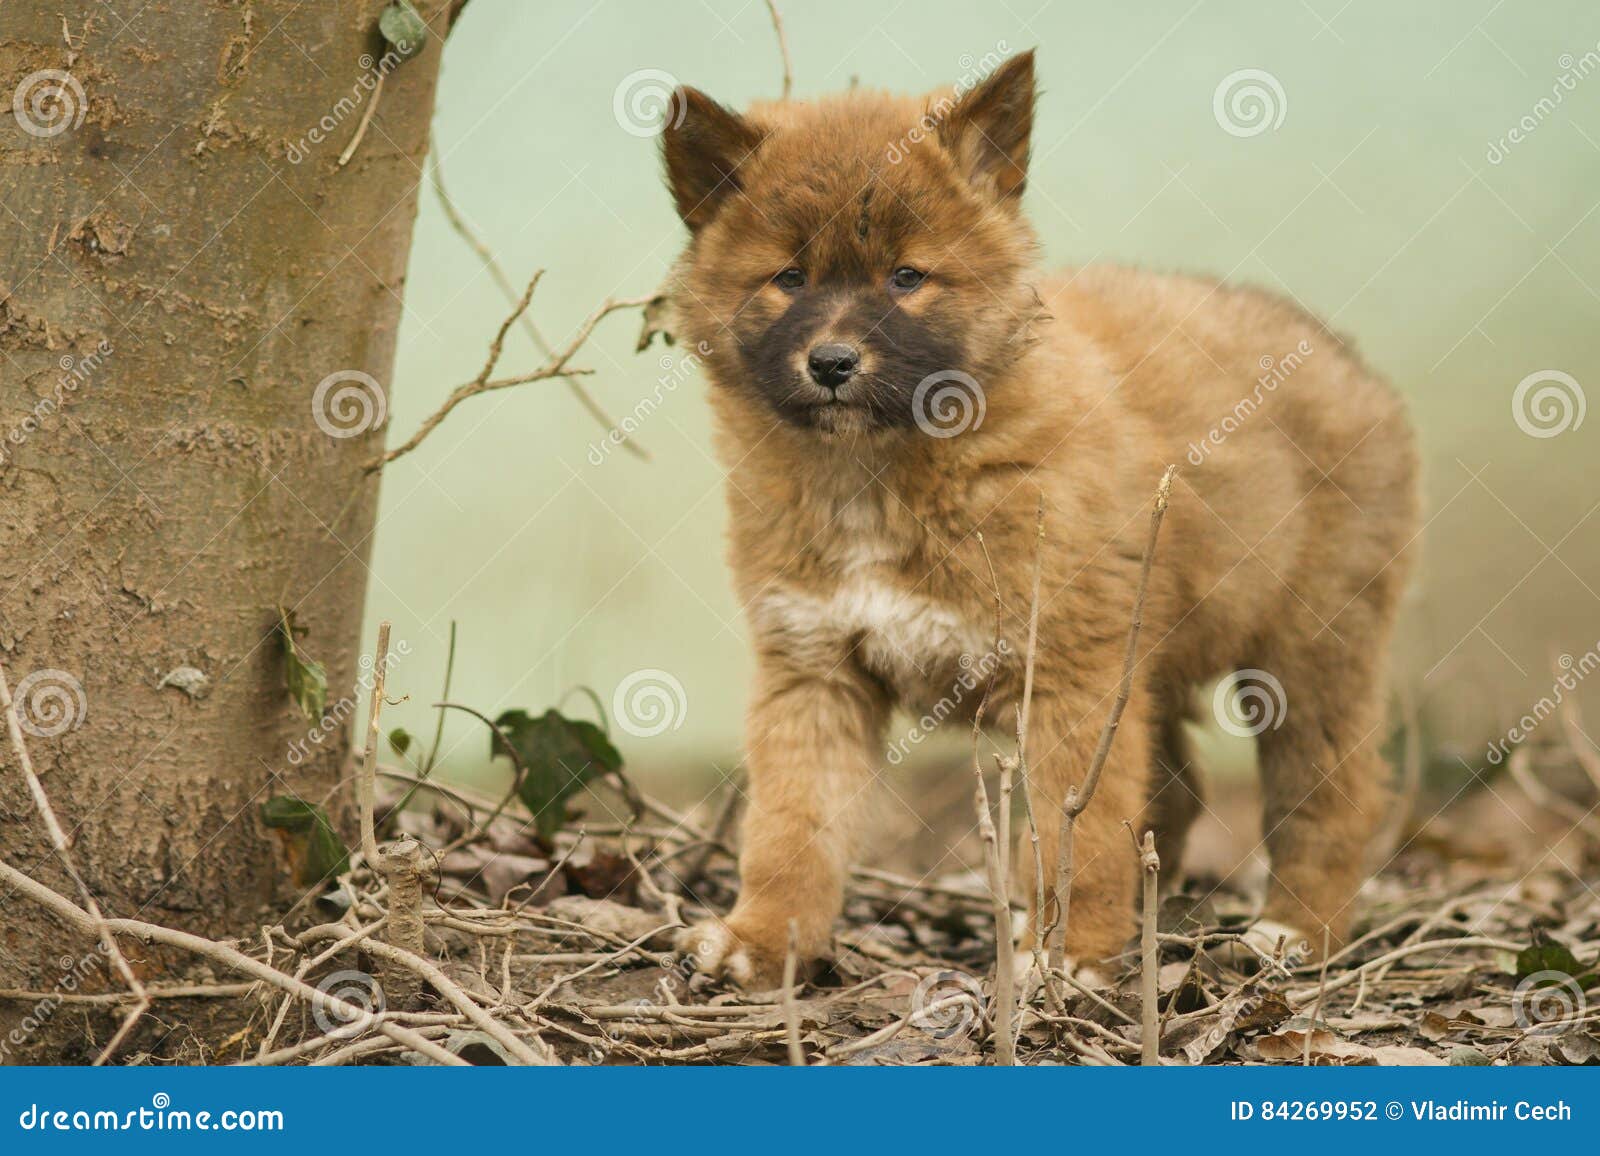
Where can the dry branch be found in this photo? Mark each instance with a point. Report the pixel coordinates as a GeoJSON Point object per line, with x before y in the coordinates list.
{"type": "Point", "coordinates": [458, 222]}
{"type": "Point", "coordinates": [402, 864]}
{"type": "Point", "coordinates": [995, 855]}
{"type": "Point", "coordinates": [519, 1048]}
{"type": "Point", "coordinates": [554, 366]}
{"type": "Point", "coordinates": [1079, 797]}
{"type": "Point", "coordinates": [58, 842]}
{"type": "Point", "coordinates": [783, 48]}
{"type": "Point", "coordinates": [1149, 955]}
{"type": "Point", "coordinates": [219, 953]}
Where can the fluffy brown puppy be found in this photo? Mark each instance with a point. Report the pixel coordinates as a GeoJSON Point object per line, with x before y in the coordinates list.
{"type": "Point", "coordinates": [892, 376]}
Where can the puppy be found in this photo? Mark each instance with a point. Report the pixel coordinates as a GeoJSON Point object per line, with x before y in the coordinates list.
{"type": "Point", "coordinates": [892, 378]}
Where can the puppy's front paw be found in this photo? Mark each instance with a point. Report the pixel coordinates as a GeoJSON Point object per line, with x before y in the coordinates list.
{"type": "Point", "coordinates": [1025, 972]}
{"type": "Point", "coordinates": [1267, 944]}
{"type": "Point", "coordinates": [732, 950]}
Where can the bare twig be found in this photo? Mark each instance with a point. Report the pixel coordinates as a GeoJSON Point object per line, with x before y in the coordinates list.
{"type": "Point", "coordinates": [1023, 714]}
{"type": "Point", "coordinates": [366, 119]}
{"type": "Point", "coordinates": [1522, 774]}
{"type": "Point", "coordinates": [305, 968]}
{"type": "Point", "coordinates": [117, 998]}
{"type": "Point", "coordinates": [995, 854]}
{"type": "Point", "coordinates": [369, 1047]}
{"type": "Point", "coordinates": [1149, 956]}
{"type": "Point", "coordinates": [1026, 707]}
{"type": "Point", "coordinates": [402, 864]}
{"type": "Point", "coordinates": [783, 48]}
{"type": "Point", "coordinates": [366, 785]}
{"type": "Point", "coordinates": [498, 274]}
{"type": "Point", "coordinates": [450, 990]}
{"type": "Point", "coordinates": [1005, 1018]}
{"type": "Point", "coordinates": [554, 366]}
{"type": "Point", "coordinates": [223, 954]}
{"type": "Point", "coordinates": [426, 768]}
{"type": "Point", "coordinates": [519, 771]}
{"type": "Point", "coordinates": [58, 842]}
{"type": "Point", "coordinates": [696, 867]}
{"type": "Point", "coordinates": [1079, 797]}
{"type": "Point", "coordinates": [633, 945]}
{"type": "Point", "coordinates": [1105, 1035]}
{"type": "Point", "coordinates": [1322, 993]}
{"type": "Point", "coordinates": [1300, 998]}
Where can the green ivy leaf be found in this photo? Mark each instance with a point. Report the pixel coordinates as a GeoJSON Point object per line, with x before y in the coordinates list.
{"type": "Point", "coordinates": [1548, 956]}
{"type": "Point", "coordinates": [400, 741]}
{"type": "Point", "coordinates": [560, 755]}
{"type": "Point", "coordinates": [403, 26]}
{"type": "Point", "coordinates": [316, 853]}
{"type": "Point", "coordinates": [306, 679]}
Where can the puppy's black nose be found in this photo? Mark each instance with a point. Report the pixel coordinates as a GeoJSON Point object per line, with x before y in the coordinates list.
{"type": "Point", "coordinates": [832, 365]}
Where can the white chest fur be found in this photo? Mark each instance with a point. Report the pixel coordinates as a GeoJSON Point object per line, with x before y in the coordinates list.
{"type": "Point", "coordinates": [912, 641]}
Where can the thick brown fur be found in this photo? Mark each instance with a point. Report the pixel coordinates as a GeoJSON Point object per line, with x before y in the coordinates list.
{"type": "Point", "coordinates": [854, 539]}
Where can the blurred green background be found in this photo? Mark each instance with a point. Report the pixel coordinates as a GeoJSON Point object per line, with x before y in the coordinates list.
{"type": "Point", "coordinates": [1389, 199]}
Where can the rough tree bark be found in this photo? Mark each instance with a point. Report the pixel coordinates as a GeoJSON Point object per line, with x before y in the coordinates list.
{"type": "Point", "coordinates": [183, 261]}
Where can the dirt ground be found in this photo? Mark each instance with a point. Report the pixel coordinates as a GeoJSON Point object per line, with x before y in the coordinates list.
{"type": "Point", "coordinates": [1477, 944]}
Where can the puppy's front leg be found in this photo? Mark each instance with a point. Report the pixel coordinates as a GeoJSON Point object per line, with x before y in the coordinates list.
{"type": "Point", "coordinates": [1063, 736]}
{"type": "Point", "coordinates": [814, 745]}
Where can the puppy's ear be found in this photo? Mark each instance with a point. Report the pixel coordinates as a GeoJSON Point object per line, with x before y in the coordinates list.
{"type": "Point", "coordinates": [703, 146]}
{"type": "Point", "coordinates": [988, 130]}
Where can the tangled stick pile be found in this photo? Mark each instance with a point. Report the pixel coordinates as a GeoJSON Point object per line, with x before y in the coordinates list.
{"type": "Point", "coordinates": [574, 955]}
{"type": "Point", "coordinates": [535, 954]}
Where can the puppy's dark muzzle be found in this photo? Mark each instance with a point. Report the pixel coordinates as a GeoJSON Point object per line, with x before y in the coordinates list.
{"type": "Point", "coordinates": [832, 365]}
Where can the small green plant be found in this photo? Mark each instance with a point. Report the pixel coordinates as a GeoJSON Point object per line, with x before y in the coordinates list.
{"type": "Point", "coordinates": [315, 852]}
{"type": "Point", "coordinates": [306, 679]}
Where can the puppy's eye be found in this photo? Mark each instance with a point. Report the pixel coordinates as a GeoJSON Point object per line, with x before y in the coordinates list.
{"type": "Point", "coordinates": [791, 278]}
{"type": "Point", "coordinates": [906, 278]}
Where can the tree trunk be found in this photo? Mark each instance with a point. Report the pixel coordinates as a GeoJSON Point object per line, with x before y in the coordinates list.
{"type": "Point", "coordinates": [183, 265]}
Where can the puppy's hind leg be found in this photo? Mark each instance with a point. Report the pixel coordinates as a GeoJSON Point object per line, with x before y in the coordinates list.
{"type": "Point", "coordinates": [1176, 799]}
{"type": "Point", "coordinates": [1322, 783]}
